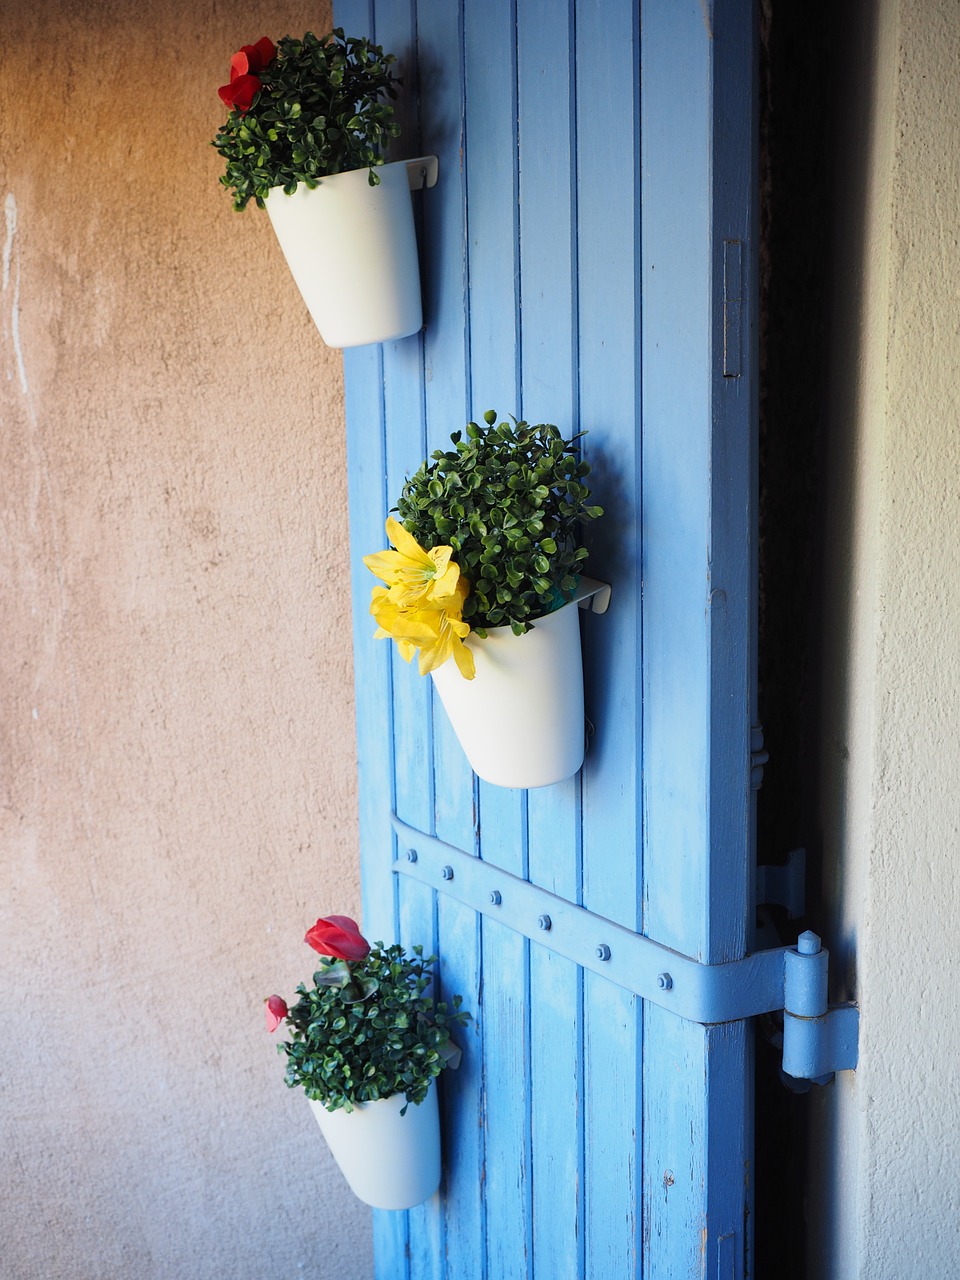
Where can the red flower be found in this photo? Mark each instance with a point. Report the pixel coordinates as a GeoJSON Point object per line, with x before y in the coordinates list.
{"type": "Point", "coordinates": [252, 58]}
{"type": "Point", "coordinates": [245, 67]}
{"type": "Point", "coordinates": [338, 936]}
{"type": "Point", "coordinates": [240, 93]}
{"type": "Point", "coordinates": [276, 1011]}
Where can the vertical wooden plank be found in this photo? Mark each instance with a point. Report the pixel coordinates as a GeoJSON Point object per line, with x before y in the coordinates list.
{"type": "Point", "coordinates": [490, 156]}
{"type": "Point", "coordinates": [677, 418]}
{"type": "Point", "coordinates": [697, 474]}
{"type": "Point", "coordinates": [426, 1225]}
{"type": "Point", "coordinates": [675, 110]}
{"type": "Point", "coordinates": [548, 366]}
{"type": "Point", "coordinates": [396, 31]}
{"type": "Point", "coordinates": [676, 278]}
{"type": "Point", "coordinates": [492, 205]}
{"type": "Point", "coordinates": [696, 1153]}
{"type": "Point", "coordinates": [733, 474]}
{"type": "Point", "coordinates": [607, 193]}
{"type": "Point", "coordinates": [547, 211]}
{"type": "Point", "coordinates": [374, 702]}
{"type": "Point", "coordinates": [445, 391]}
{"type": "Point", "coordinates": [696, 496]}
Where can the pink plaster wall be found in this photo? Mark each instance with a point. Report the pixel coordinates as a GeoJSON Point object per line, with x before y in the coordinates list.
{"type": "Point", "coordinates": [178, 753]}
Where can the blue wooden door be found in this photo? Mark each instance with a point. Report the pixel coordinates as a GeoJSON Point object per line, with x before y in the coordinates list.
{"type": "Point", "coordinates": [587, 260]}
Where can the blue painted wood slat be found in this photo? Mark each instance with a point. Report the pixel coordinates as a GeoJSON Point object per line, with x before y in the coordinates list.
{"type": "Point", "coordinates": [492, 313]}
{"type": "Point", "coordinates": [545, 41]}
{"type": "Point", "coordinates": [607, 79]}
{"type": "Point", "coordinates": [697, 601]}
{"type": "Point", "coordinates": [445, 393]}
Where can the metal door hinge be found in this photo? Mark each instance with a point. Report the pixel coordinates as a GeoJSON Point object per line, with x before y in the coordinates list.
{"type": "Point", "coordinates": [791, 979]}
{"type": "Point", "coordinates": [818, 1039]}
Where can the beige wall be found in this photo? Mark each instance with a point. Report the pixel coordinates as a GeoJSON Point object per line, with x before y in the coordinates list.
{"type": "Point", "coordinates": [178, 759]}
{"type": "Point", "coordinates": [886, 1167]}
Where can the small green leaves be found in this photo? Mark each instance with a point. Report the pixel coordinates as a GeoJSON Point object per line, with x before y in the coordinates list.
{"type": "Point", "coordinates": [510, 500]}
{"type": "Point", "coordinates": [335, 974]}
{"type": "Point", "coordinates": [319, 111]}
{"type": "Point", "coordinates": [346, 1047]}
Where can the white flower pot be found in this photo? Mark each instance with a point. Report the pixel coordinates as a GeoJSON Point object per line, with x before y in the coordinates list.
{"type": "Point", "coordinates": [520, 720]}
{"type": "Point", "coordinates": [390, 1161]}
{"type": "Point", "coordinates": [352, 250]}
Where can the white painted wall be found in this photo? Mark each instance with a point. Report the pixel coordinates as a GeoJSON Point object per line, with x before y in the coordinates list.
{"type": "Point", "coordinates": [885, 1181]}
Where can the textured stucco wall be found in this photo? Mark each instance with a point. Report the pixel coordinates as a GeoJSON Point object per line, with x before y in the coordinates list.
{"type": "Point", "coordinates": [886, 1168]}
{"type": "Point", "coordinates": [178, 757]}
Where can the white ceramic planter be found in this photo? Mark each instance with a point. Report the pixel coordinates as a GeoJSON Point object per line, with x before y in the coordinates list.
{"type": "Point", "coordinates": [520, 720]}
{"type": "Point", "coordinates": [390, 1161]}
{"type": "Point", "coordinates": [352, 250]}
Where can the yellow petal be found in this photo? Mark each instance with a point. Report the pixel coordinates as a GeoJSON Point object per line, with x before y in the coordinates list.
{"type": "Point", "coordinates": [386, 565]}
{"type": "Point", "coordinates": [433, 656]}
{"type": "Point", "coordinates": [407, 649]}
{"type": "Point", "coordinates": [440, 557]}
{"type": "Point", "coordinates": [463, 657]}
{"type": "Point", "coordinates": [445, 584]}
{"type": "Point", "coordinates": [406, 543]}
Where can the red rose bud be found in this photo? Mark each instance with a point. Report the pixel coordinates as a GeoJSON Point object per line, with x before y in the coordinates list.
{"type": "Point", "coordinates": [265, 50]}
{"type": "Point", "coordinates": [338, 936]}
{"type": "Point", "coordinates": [252, 58]}
{"type": "Point", "coordinates": [239, 65]}
{"type": "Point", "coordinates": [240, 93]}
{"type": "Point", "coordinates": [276, 1011]}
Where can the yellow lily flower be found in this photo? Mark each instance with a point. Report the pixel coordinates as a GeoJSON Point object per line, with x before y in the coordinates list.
{"type": "Point", "coordinates": [394, 623]}
{"type": "Point", "coordinates": [449, 634]}
{"type": "Point", "coordinates": [436, 629]}
{"type": "Point", "coordinates": [413, 575]}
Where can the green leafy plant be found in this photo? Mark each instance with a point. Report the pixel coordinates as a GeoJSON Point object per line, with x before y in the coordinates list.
{"type": "Point", "coordinates": [368, 1028]}
{"type": "Point", "coordinates": [303, 110]}
{"type": "Point", "coordinates": [509, 499]}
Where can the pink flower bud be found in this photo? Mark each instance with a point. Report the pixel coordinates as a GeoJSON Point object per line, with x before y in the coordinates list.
{"type": "Point", "coordinates": [276, 1011]}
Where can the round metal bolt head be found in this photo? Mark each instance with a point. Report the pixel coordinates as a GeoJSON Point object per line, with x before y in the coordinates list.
{"type": "Point", "coordinates": [447, 873]}
{"type": "Point", "coordinates": [495, 897]}
{"type": "Point", "coordinates": [411, 855]}
{"type": "Point", "coordinates": [544, 922]}
{"type": "Point", "coordinates": [664, 981]}
{"type": "Point", "coordinates": [602, 952]}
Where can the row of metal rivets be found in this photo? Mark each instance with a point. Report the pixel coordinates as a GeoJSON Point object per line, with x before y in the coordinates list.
{"type": "Point", "coordinates": [664, 980]}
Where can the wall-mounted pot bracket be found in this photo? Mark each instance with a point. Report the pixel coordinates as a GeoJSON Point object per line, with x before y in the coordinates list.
{"type": "Point", "coordinates": [818, 1039]}
{"type": "Point", "coordinates": [422, 172]}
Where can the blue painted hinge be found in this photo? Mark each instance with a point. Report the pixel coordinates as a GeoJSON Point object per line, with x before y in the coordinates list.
{"type": "Point", "coordinates": [817, 1039]}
